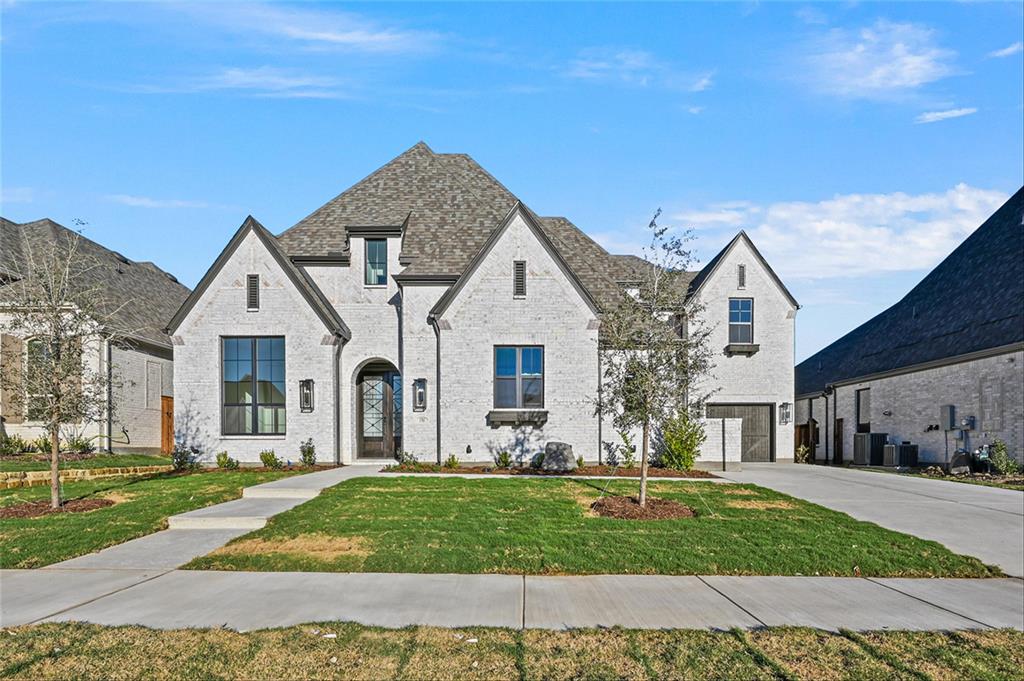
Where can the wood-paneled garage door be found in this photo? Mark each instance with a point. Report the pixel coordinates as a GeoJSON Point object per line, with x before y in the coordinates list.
{"type": "Point", "coordinates": [757, 441]}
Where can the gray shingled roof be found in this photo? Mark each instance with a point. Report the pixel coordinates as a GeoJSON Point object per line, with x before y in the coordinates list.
{"type": "Point", "coordinates": [971, 302]}
{"type": "Point", "coordinates": [452, 206]}
{"type": "Point", "coordinates": [144, 296]}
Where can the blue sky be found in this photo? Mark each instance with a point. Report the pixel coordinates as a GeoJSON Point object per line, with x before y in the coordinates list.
{"type": "Point", "coordinates": [858, 144]}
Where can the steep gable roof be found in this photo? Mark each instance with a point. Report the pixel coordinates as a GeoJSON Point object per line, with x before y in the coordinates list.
{"type": "Point", "coordinates": [971, 302]}
{"type": "Point", "coordinates": [142, 296]}
{"type": "Point", "coordinates": [306, 287]}
{"type": "Point", "coordinates": [705, 273]}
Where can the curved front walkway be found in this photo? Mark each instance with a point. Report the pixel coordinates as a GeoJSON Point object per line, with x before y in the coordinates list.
{"type": "Point", "coordinates": [979, 521]}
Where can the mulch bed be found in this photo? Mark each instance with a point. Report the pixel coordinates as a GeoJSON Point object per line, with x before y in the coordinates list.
{"type": "Point", "coordinates": [628, 508]}
{"type": "Point", "coordinates": [585, 470]}
{"type": "Point", "coordinates": [34, 509]}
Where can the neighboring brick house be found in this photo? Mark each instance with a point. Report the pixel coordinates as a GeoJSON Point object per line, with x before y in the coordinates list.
{"type": "Point", "coordinates": [138, 413]}
{"type": "Point", "coordinates": [957, 339]}
{"type": "Point", "coordinates": [427, 310]}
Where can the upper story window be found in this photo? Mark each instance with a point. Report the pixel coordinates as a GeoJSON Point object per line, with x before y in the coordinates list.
{"type": "Point", "coordinates": [376, 262]}
{"type": "Point", "coordinates": [252, 292]}
{"type": "Point", "coordinates": [38, 359]}
{"type": "Point", "coordinates": [519, 279]}
{"type": "Point", "coordinates": [253, 401]}
{"type": "Point", "coordinates": [518, 377]}
{"type": "Point", "coordinates": [741, 276]}
{"type": "Point", "coordinates": [741, 320]}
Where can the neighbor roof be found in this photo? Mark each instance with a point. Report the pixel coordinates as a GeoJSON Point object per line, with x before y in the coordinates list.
{"type": "Point", "coordinates": [970, 303]}
{"type": "Point", "coordinates": [143, 296]}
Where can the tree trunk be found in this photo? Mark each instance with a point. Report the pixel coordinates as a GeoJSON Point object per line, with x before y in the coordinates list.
{"type": "Point", "coordinates": [54, 468]}
{"type": "Point", "coordinates": [643, 464]}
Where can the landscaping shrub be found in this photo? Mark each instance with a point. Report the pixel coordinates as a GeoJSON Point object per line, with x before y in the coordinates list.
{"type": "Point", "coordinates": [452, 461]}
{"type": "Point", "coordinates": [225, 461]}
{"type": "Point", "coordinates": [802, 454]}
{"type": "Point", "coordinates": [503, 460]}
{"type": "Point", "coordinates": [1001, 459]}
{"type": "Point", "coordinates": [40, 444]}
{"type": "Point", "coordinates": [307, 453]}
{"type": "Point", "coordinates": [579, 461]}
{"type": "Point", "coordinates": [682, 437]}
{"type": "Point", "coordinates": [78, 444]}
{"type": "Point", "coordinates": [406, 459]}
{"type": "Point", "coordinates": [628, 458]}
{"type": "Point", "coordinates": [184, 458]}
{"type": "Point", "coordinates": [270, 459]}
{"type": "Point", "coordinates": [12, 445]}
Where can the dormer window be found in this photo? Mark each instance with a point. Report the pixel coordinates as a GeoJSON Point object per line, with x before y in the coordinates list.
{"type": "Point", "coordinates": [252, 292]}
{"type": "Point", "coordinates": [519, 279]}
{"type": "Point", "coordinates": [376, 262]}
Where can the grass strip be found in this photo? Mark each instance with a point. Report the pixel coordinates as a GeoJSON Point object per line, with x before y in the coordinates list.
{"type": "Point", "coordinates": [884, 656]}
{"type": "Point", "coordinates": [762, 658]}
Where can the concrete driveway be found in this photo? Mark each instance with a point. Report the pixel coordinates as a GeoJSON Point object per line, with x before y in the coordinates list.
{"type": "Point", "coordinates": [985, 522]}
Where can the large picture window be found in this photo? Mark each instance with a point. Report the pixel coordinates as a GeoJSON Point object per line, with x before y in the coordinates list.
{"type": "Point", "coordinates": [376, 262]}
{"type": "Point", "coordinates": [741, 320]}
{"type": "Point", "coordinates": [253, 374]}
{"type": "Point", "coordinates": [518, 377]}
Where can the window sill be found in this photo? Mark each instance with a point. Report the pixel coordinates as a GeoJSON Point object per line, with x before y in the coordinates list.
{"type": "Point", "coordinates": [254, 436]}
{"type": "Point", "coordinates": [375, 285]}
{"type": "Point", "coordinates": [516, 417]}
{"type": "Point", "coordinates": [741, 349]}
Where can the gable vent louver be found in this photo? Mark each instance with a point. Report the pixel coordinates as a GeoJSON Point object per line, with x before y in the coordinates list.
{"type": "Point", "coordinates": [252, 297]}
{"type": "Point", "coordinates": [519, 279]}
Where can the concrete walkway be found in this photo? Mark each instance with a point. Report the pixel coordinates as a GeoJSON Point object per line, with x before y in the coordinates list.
{"type": "Point", "coordinates": [985, 522]}
{"type": "Point", "coordinates": [257, 600]}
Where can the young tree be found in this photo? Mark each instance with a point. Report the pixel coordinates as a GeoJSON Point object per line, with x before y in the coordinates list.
{"type": "Point", "coordinates": [53, 303]}
{"type": "Point", "coordinates": [654, 344]}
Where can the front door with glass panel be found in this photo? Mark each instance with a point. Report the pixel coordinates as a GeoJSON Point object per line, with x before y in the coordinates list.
{"type": "Point", "coordinates": [379, 409]}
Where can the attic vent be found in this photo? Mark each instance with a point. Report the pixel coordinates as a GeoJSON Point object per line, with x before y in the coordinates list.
{"type": "Point", "coordinates": [741, 275]}
{"type": "Point", "coordinates": [519, 279]}
{"type": "Point", "coordinates": [252, 298]}
{"type": "Point", "coordinates": [171, 277]}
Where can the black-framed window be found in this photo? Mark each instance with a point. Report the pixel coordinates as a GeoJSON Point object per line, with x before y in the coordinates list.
{"type": "Point", "coordinates": [518, 377]}
{"type": "Point", "coordinates": [741, 320]}
{"type": "Point", "coordinates": [253, 376]}
{"type": "Point", "coordinates": [38, 353]}
{"type": "Point", "coordinates": [376, 262]}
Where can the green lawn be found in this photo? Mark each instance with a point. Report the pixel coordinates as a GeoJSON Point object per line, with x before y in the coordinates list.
{"type": "Point", "coordinates": [30, 463]}
{"type": "Point", "coordinates": [86, 651]}
{"type": "Point", "coordinates": [143, 505]}
{"type": "Point", "coordinates": [540, 526]}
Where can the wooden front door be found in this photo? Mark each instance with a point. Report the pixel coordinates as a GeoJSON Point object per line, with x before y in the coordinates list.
{"type": "Point", "coordinates": [166, 424]}
{"type": "Point", "coordinates": [837, 443]}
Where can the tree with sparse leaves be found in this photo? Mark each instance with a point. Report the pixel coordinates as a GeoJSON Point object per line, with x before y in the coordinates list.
{"type": "Point", "coordinates": [53, 302]}
{"type": "Point", "coordinates": [655, 345]}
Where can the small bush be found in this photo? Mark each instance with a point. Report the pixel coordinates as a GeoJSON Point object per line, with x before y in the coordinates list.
{"type": "Point", "coordinates": [682, 437]}
{"type": "Point", "coordinates": [78, 444]}
{"type": "Point", "coordinates": [40, 444]}
{"type": "Point", "coordinates": [803, 453]}
{"type": "Point", "coordinates": [1001, 459]}
{"type": "Point", "coordinates": [628, 456]}
{"type": "Point", "coordinates": [307, 453]}
{"type": "Point", "coordinates": [407, 459]}
{"type": "Point", "coordinates": [503, 460]}
{"type": "Point", "coordinates": [12, 445]}
{"type": "Point", "coordinates": [225, 461]}
{"type": "Point", "coordinates": [452, 461]}
{"type": "Point", "coordinates": [579, 461]}
{"type": "Point", "coordinates": [270, 459]}
{"type": "Point", "coordinates": [184, 458]}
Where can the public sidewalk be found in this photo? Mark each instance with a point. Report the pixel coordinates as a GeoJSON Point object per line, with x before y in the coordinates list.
{"type": "Point", "coordinates": [257, 600]}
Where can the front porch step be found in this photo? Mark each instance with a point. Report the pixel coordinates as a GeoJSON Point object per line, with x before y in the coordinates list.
{"type": "Point", "coordinates": [240, 514]}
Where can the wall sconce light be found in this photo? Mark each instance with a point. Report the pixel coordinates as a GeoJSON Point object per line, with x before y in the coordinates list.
{"type": "Point", "coordinates": [306, 395]}
{"type": "Point", "coordinates": [784, 412]}
{"type": "Point", "coordinates": [887, 412]}
{"type": "Point", "coordinates": [419, 394]}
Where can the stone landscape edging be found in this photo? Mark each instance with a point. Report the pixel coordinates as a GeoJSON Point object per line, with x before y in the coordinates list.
{"type": "Point", "coordinates": [16, 479]}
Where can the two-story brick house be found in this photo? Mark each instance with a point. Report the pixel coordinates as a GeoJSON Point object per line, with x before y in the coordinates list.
{"type": "Point", "coordinates": [426, 309]}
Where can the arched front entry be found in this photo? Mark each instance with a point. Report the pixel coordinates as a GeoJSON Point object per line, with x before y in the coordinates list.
{"type": "Point", "coordinates": [378, 411]}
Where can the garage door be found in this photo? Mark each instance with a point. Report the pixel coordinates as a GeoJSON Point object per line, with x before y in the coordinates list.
{"type": "Point", "coordinates": [756, 440]}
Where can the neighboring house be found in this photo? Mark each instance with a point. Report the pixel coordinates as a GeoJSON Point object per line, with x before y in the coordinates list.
{"type": "Point", "coordinates": [139, 411]}
{"type": "Point", "coordinates": [957, 339]}
{"type": "Point", "coordinates": [427, 310]}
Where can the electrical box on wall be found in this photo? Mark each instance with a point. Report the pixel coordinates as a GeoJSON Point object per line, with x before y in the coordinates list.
{"type": "Point", "coordinates": [947, 417]}
{"type": "Point", "coordinates": [967, 423]}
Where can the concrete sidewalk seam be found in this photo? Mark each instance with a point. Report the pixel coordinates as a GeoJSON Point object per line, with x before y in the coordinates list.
{"type": "Point", "coordinates": [93, 600]}
{"type": "Point", "coordinates": [752, 615]}
{"type": "Point", "coordinates": [917, 598]}
{"type": "Point", "coordinates": [522, 626]}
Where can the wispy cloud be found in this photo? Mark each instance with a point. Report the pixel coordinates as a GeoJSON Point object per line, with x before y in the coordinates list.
{"type": "Point", "coordinates": [16, 195]}
{"type": "Point", "coordinates": [263, 81]}
{"type": "Point", "coordinates": [147, 202]}
{"type": "Point", "coordinates": [634, 67]}
{"type": "Point", "coordinates": [936, 116]}
{"type": "Point", "coordinates": [1007, 51]}
{"type": "Point", "coordinates": [317, 28]}
{"type": "Point", "coordinates": [811, 15]}
{"type": "Point", "coordinates": [883, 60]}
{"type": "Point", "coordinates": [853, 234]}
{"type": "Point", "coordinates": [694, 110]}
